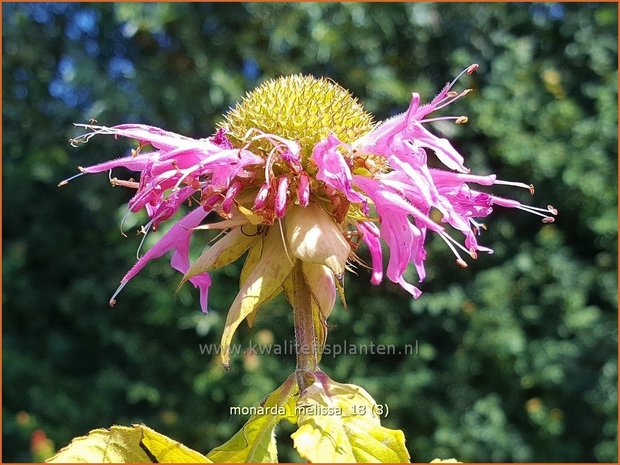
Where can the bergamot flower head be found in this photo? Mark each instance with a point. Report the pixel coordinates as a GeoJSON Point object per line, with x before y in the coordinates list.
{"type": "Point", "coordinates": [298, 174]}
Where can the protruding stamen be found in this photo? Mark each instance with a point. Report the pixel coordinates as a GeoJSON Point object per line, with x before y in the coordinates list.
{"type": "Point", "coordinates": [469, 70]}
{"type": "Point", "coordinates": [451, 99]}
{"type": "Point", "coordinates": [117, 292]}
{"type": "Point", "coordinates": [144, 230]}
{"type": "Point", "coordinates": [269, 163]}
{"type": "Point", "coordinates": [458, 244]}
{"type": "Point", "coordinates": [449, 240]}
{"type": "Point", "coordinates": [125, 183]}
{"type": "Point", "coordinates": [542, 212]}
{"type": "Point", "coordinates": [123, 222]}
{"type": "Point", "coordinates": [456, 119]}
{"type": "Point", "coordinates": [83, 138]}
{"type": "Point", "coordinates": [66, 181]}
{"type": "Point", "coordinates": [472, 68]}
{"type": "Point", "coordinates": [529, 187]}
{"type": "Point", "coordinates": [477, 226]}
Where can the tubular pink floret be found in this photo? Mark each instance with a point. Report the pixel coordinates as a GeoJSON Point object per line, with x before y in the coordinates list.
{"type": "Point", "coordinates": [281, 197]}
{"type": "Point", "coordinates": [261, 198]}
{"type": "Point", "coordinates": [303, 189]}
{"type": "Point", "coordinates": [333, 169]}
{"type": "Point", "coordinates": [447, 178]}
{"type": "Point", "coordinates": [292, 161]}
{"type": "Point", "coordinates": [230, 196]}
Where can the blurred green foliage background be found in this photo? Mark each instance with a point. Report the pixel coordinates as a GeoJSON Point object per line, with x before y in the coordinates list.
{"type": "Point", "coordinates": [517, 354]}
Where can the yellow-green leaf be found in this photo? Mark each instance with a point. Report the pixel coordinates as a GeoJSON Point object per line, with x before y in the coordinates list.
{"type": "Point", "coordinates": [340, 423]}
{"type": "Point", "coordinates": [251, 318]}
{"type": "Point", "coordinates": [166, 450]}
{"type": "Point", "coordinates": [256, 442]}
{"type": "Point", "coordinates": [260, 285]}
{"type": "Point", "coordinates": [251, 260]}
{"type": "Point", "coordinates": [123, 444]}
{"type": "Point", "coordinates": [250, 215]}
{"type": "Point", "coordinates": [224, 224]}
{"type": "Point", "coordinates": [225, 251]}
{"type": "Point", "coordinates": [248, 266]}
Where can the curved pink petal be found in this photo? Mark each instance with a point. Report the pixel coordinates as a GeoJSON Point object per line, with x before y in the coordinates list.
{"type": "Point", "coordinates": [157, 137]}
{"type": "Point", "coordinates": [370, 235]}
{"type": "Point", "coordinates": [175, 240]}
{"type": "Point", "coordinates": [379, 140]}
{"type": "Point", "coordinates": [333, 169]}
{"type": "Point", "coordinates": [137, 163]}
{"type": "Point", "coordinates": [202, 282]}
{"type": "Point", "coordinates": [441, 146]}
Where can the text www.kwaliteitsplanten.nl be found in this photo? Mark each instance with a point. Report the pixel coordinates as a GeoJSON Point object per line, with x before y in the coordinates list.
{"type": "Point", "coordinates": [333, 350]}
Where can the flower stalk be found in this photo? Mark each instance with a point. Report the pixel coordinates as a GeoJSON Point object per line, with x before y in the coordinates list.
{"type": "Point", "coordinates": [306, 341]}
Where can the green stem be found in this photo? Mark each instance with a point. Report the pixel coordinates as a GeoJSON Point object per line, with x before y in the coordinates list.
{"type": "Point", "coordinates": [305, 337]}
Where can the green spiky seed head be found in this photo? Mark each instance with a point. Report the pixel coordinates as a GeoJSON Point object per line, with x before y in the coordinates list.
{"type": "Point", "coordinates": [300, 108]}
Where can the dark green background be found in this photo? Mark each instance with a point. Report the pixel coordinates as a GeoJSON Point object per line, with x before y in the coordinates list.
{"type": "Point", "coordinates": [517, 353]}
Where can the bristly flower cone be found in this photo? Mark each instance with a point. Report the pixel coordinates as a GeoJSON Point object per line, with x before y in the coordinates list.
{"type": "Point", "coordinates": [300, 108]}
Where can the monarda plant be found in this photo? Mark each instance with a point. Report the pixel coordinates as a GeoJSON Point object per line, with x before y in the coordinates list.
{"type": "Point", "coordinates": [298, 177]}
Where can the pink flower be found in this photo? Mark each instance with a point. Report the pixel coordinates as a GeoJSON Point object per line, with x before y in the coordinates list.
{"type": "Point", "coordinates": [293, 176]}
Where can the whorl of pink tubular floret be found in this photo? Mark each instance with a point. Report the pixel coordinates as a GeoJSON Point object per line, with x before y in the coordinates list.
{"type": "Point", "coordinates": [390, 206]}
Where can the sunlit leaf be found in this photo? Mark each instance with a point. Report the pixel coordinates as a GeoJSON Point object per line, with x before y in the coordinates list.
{"type": "Point", "coordinates": [166, 450]}
{"type": "Point", "coordinates": [260, 285]}
{"type": "Point", "coordinates": [223, 252]}
{"type": "Point", "coordinates": [340, 423]}
{"type": "Point", "coordinates": [256, 442]}
{"type": "Point", "coordinates": [250, 215]}
{"type": "Point", "coordinates": [123, 444]}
